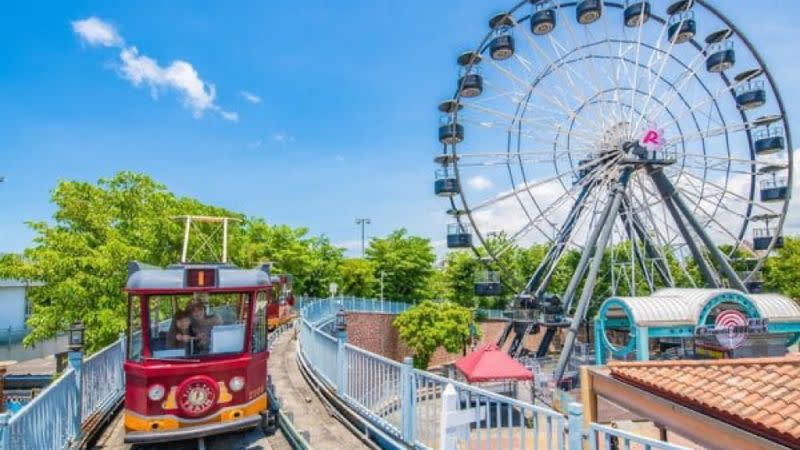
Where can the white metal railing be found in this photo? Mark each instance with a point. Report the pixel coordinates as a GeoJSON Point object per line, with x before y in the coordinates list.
{"type": "Point", "coordinates": [602, 437]}
{"type": "Point", "coordinates": [103, 380]}
{"type": "Point", "coordinates": [411, 405]}
{"type": "Point", "coordinates": [53, 419]}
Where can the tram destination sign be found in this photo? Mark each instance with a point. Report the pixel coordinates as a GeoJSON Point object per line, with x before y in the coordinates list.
{"type": "Point", "coordinates": [731, 328]}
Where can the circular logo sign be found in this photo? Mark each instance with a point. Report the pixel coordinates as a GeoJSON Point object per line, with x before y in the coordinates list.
{"type": "Point", "coordinates": [197, 395]}
{"type": "Point", "coordinates": [734, 322]}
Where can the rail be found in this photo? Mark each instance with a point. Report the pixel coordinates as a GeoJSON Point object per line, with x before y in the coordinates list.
{"type": "Point", "coordinates": [411, 405]}
{"type": "Point", "coordinates": [612, 438]}
{"type": "Point", "coordinates": [59, 416]}
{"type": "Point", "coordinates": [406, 403]}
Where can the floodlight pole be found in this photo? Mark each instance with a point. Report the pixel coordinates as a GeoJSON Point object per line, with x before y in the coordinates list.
{"type": "Point", "coordinates": [363, 222]}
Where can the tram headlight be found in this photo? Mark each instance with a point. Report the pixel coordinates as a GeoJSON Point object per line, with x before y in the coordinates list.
{"type": "Point", "coordinates": [236, 384]}
{"type": "Point", "coordinates": [156, 392]}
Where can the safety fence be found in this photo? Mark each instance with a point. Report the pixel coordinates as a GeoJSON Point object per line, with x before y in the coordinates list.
{"type": "Point", "coordinates": [56, 418]}
{"type": "Point", "coordinates": [424, 410]}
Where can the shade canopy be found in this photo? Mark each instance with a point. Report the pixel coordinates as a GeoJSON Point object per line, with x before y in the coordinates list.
{"type": "Point", "coordinates": [488, 363]}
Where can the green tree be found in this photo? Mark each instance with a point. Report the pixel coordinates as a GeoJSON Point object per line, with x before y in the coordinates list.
{"type": "Point", "coordinates": [407, 263]}
{"type": "Point", "coordinates": [429, 325]}
{"type": "Point", "coordinates": [459, 273]}
{"type": "Point", "coordinates": [781, 272]}
{"type": "Point", "coordinates": [358, 278]}
{"type": "Point", "coordinates": [81, 256]}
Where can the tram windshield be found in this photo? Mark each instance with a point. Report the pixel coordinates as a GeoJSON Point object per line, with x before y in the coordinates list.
{"type": "Point", "coordinates": [196, 325]}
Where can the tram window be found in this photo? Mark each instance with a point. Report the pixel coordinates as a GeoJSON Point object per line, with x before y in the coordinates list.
{"type": "Point", "coordinates": [134, 328]}
{"type": "Point", "coordinates": [196, 325]}
{"type": "Point", "coordinates": [259, 341]}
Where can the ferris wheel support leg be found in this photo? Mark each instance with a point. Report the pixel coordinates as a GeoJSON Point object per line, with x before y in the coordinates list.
{"type": "Point", "coordinates": [555, 251]}
{"type": "Point", "coordinates": [668, 190]}
{"type": "Point", "coordinates": [603, 229]}
{"type": "Point", "coordinates": [652, 251]}
{"type": "Point", "coordinates": [702, 264]}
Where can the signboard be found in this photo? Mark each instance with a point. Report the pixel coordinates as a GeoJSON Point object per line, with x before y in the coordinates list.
{"type": "Point", "coordinates": [653, 138]}
{"type": "Point", "coordinates": [731, 328]}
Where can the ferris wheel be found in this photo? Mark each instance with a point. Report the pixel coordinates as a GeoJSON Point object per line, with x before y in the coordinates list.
{"type": "Point", "coordinates": [650, 126]}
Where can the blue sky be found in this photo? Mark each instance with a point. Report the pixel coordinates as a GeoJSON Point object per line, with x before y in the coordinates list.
{"type": "Point", "coordinates": [345, 126]}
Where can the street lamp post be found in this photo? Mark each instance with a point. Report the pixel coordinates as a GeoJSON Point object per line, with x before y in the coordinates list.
{"type": "Point", "coordinates": [363, 222]}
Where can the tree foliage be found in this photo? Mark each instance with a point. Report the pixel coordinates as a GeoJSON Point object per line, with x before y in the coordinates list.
{"type": "Point", "coordinates": [429, 325]}
{"type": "Point", "coordinates": [358, 278]}
{"type": "Point", "coordinates": [81, 256]}
{"type": "Point", "coordinates": [782, 271]}
{"type": "Point", "coordinates": [407, 263]}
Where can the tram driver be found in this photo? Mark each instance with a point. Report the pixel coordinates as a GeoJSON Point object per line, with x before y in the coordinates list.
{"type": "Point", "coordinates": [201, 324]}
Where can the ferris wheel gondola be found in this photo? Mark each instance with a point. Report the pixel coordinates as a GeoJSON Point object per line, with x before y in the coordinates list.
{"type": "Point", "coordinates": [651, 130]}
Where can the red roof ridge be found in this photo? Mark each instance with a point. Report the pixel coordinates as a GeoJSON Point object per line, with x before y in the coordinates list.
{"type": "Point", "coordinates": [789, 359]}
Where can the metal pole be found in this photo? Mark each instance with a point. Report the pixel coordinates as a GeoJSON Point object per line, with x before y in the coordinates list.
{"type": "Point", "coordinates": [591, 278]}
{"type": "Point", "coordinates": [186, 239]}
{"type": "Point", "coordinates": [668, 188]}
{"type": "Point", "coordinates": [225, 240]}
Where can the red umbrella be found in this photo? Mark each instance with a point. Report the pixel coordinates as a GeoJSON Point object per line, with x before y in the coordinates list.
{"type": "Point", "coordinates": [488, 363]}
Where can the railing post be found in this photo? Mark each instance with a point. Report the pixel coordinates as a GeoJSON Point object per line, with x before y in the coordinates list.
{"type": "Point", "coordinates": [4, 433]}
{"type": "Point", "coordinates": [75, 361]}
{"type": "Point", "coordinates": [407, 400]}
{"type": "Point", "coordinates": [447, 438]}
{"type": "Point", "coordinates": [341, 361]}
{"type": "Point", "coordinates": [575, 426]}
{"type": "Point", "coordinates": [123, 340]}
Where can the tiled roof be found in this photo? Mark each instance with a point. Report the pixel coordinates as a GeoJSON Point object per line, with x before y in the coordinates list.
{"type": "Point", "coordinates": [761, 395]}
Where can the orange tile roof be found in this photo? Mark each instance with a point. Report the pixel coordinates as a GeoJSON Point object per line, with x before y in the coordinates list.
{"type": "Point", "coordinates": [761, 395]}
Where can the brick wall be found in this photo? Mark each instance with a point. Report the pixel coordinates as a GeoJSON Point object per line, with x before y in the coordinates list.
{"type": "Point", "coordinates": [375, 333]}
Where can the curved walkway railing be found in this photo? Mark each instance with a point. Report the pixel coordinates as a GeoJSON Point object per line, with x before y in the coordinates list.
{"type": "Point", "coordinates": [423, 410]}
{"type": "Point", "coordinates": [81, 397]}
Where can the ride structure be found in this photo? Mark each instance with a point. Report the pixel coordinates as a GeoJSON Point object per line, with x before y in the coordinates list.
{"type": "Point", "coordinates": [617, 135]}
{"type": "Point", "coordinates": [197, 351]}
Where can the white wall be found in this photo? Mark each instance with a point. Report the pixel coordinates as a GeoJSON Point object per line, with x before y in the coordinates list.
{"type": "Point", "coordinates": [12, 307]}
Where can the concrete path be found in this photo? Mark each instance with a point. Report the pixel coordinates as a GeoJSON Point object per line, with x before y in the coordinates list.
{"type": "Point", "coordinates": [298, 400]}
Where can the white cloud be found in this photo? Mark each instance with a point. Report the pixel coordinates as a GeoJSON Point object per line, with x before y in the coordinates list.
{"type": "Point", "coordinates": [339, 157]}
{"type": "Point", "coordinates": [180, 76]}
{"type": "Point", "coordinates": [94, 32]}
{"type": "Point", "coordinates": [282, 138]}
{"type": "Point", "coordinates": [479, 183]}
{"type": "Point", "coordinates": [250, 97]}
{"type": "Point", "coordinates": [255, 144]}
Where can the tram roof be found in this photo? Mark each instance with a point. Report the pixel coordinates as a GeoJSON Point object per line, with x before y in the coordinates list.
{"type": "Point", "coordinates": [180, 276]}
{"type": "Point", "coordinates": [677, 306]}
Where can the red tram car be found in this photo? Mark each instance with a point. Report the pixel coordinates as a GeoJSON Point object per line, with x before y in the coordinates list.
{"type": "Point", "coordinates": [197, 350]}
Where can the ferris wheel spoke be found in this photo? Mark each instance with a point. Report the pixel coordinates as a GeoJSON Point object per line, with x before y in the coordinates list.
{"type": "Point", "coordinates": [539, 183]}
{"type": "Point", "coordinates": [535, 221]}
{"type": "Point", "coordinates": [712, 220]}
{"type": "Point", "coordinates": [734, 194]}
{"type": "Point", "coordinates": [594, 84]}
{"type": "Point", "coordinates": [504, 115]}
{"type": "Point", "coordinates": [635, 83]}
{"type": "Point", "coordinates": [709, 100]}
{"type": "Point", "coordinates": [688, 72]}
{"type": "Point", "coordinates": [728, 129]}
